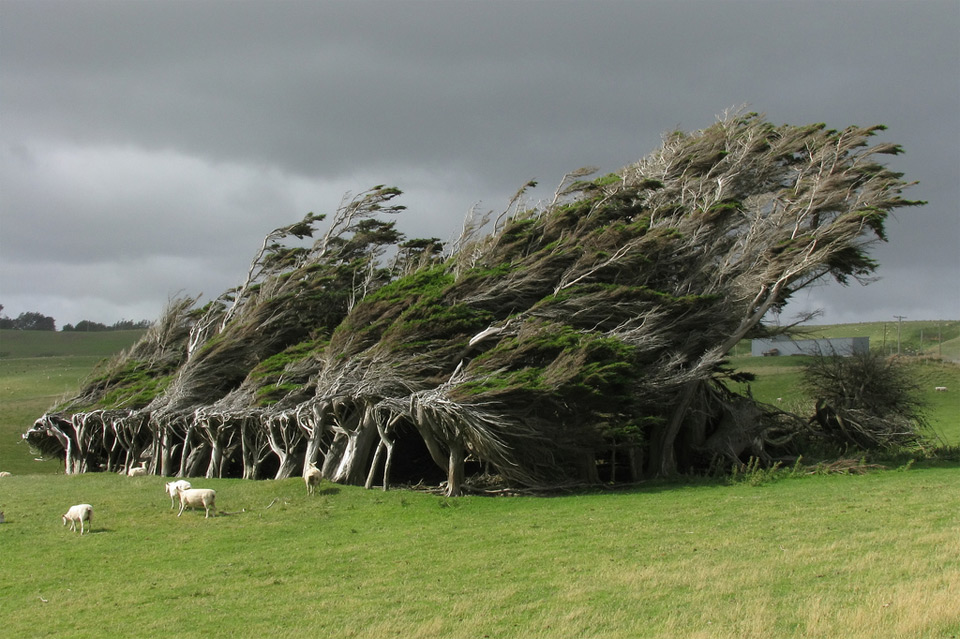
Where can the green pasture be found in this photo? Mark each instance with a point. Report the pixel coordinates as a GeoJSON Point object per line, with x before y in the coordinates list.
{"type": "Point", "coordinates": [38, 368]}
{"type": "Point", "coordinates": [796, 553]}
{"type": "Point", "coordinates": [849, 556]}
{"type": "Point", "coordinates": [43, 344]}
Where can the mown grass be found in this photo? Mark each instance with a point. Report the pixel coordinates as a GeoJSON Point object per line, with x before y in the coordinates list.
{"type": "Point", "coordinates": [818, 556]}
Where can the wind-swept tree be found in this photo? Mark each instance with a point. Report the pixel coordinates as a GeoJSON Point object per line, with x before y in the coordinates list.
{"type": "Point", "coordinates": [577, 337]}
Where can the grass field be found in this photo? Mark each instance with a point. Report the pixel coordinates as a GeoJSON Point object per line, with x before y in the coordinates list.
{"type": "Point", "coordinates": [37, 368]}
{"type": "Point", "coordinates": [794, 555]}
{"type": "Point", "coordinates": [817, 556]}
{"type": "Point", "coordinates": [43, 344]}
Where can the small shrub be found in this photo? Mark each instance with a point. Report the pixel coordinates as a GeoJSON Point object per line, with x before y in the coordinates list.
{"type": "Point", "coordinates": [755, 473]}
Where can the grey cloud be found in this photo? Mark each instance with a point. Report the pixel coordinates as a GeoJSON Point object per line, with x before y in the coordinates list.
{"type": "Point", "coordinates": [235, 115]}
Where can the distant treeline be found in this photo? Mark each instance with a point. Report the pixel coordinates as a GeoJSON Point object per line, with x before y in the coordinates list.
{"type": "Point", "coordinates": [32, 321]}
{"type": "Point", "coordinates": [122, 325]}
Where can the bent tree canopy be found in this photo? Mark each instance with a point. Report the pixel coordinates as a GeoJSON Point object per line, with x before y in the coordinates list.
{"type": "Point", "coordinates": [579, 340]}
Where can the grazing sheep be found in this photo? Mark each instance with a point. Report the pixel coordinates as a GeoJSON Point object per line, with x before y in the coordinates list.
{"type": "Point", "coordinates": [312, 477]}
{"type": "Point", "coordinates": [940, 389]}
{"type": "Point", "coordinates": [140, 471]}
{"type": "Point", "coordinates": [196, 497]}
{"type": "Point", "coordinates": [173, 487]}
{"type": "Point", "coordinates": [79, 513]}
{"type": "Point", "coordinates": [5, 474]}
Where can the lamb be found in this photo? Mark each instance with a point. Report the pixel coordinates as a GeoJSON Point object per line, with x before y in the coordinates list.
{"type": "Point", "coordinates": [173, 487]}
{"type": "Point", "coordinates": [196, 497]}
{"type": "Point", "coordinates": [312, 477]}
{"type": "Point", "coordinates": [81, 513]}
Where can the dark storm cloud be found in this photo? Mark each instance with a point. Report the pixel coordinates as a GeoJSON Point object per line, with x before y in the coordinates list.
{"type": "Point", "coordinates": [152, 144]}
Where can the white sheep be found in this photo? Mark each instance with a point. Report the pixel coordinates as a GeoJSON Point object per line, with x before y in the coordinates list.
{"type": "Point", "coordinates": [940, 389]}
{"type": "Point", "coordinates": [196, 497]}
{"type": "Point", "coordinates": [79, 513]}
{"type": "Point", "coordinates": [312, 477]}
{"type": "Point", "coordinates": [140, 471]}
{"type": "Point", "coordinates": [173, 487]}
{"type": "Point", "coordinates": [5, 474]}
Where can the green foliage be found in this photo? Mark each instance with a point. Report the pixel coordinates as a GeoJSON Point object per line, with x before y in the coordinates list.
{"type": "Point", "coordinates": [126, 381]}
{"type": "Point", "coordinates": [431, 320]}
{"type": "Point", "coordinates": [29, 321]}
{"type": "Point", "coordinates": [526, 379]}
{"type": "Point", "coordinates": [430, 281]}
{"type": "Point", "coordinates": [479, 275]}
{"type": "Point", "coordinates": [755, 472]}
{"type": "Point", "coordinates": [518, 228]}
{"type": "Point", "coordinates": [276, 364]}
{"type": "Point", "coordinates": [276, 376]}
{"type": "Point", "coordinates": [608, 179]}
{"type": "Point", "coordinates": [586, 373]}
{"type": "Point", "coordinates": [135, 389]}
{"type": "Point", "coordinates": [272, 393]}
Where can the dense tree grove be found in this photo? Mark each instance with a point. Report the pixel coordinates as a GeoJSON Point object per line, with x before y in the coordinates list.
{"type": "Point", "coordinates": [575, 341]}
{"type": "Point", "coordinates": [29, 321]}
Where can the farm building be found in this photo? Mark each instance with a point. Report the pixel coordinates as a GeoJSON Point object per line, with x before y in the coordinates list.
{"type": "Point", "coordinates": [783, 345]}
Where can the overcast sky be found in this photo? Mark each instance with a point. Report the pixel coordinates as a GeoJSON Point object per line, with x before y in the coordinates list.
{"type": "Point", "coordinates": [147, 147]}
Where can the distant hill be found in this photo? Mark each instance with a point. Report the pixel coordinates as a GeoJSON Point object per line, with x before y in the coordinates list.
{"type": "Point", "coordinates": [934, 338]}
{"type": "Point", "coordinates": [28, 344]}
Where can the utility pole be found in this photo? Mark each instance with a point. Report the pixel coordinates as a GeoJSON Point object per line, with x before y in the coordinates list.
{"type": "Point", "coordinates": [899, 319]}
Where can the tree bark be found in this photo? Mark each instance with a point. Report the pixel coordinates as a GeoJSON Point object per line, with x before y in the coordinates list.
{"type": "Point", "coordinates": [359, 445]}
{"type": "Point", "coordinates": [387, 466]}
{"type": "Point", "coordinates": [312, 421]}
{"type": "Point", "coordinates": [455, 471]}
{"type": "Point", "coordinates": [374, 464]}
{"type": "Point", "coordinates": [665, 459]}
